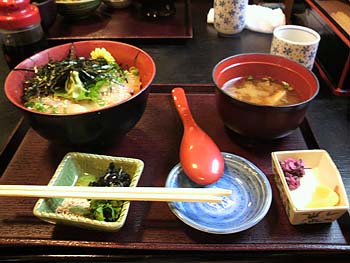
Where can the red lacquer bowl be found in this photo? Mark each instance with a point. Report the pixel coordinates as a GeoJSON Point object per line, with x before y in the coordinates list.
{"type": "Point", "coordinates": [257, 121]}
{"type": "Point", "coordinates": [99, 127]}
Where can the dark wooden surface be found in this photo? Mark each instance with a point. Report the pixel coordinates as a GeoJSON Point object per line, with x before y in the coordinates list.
{"type": "Point", "coordinates": [189, 62]}
{"type": "Point", "coordinates": [331, 61]}
{"type": "Point", "coordinates": [151, 225]}
{"type": "Point", "coordinates": [123, 24]}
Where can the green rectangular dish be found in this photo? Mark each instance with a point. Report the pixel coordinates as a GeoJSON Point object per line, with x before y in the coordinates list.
{"type": "Point", "coordinates": [72, 166]}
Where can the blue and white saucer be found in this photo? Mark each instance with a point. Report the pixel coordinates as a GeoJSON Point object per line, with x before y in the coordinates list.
{"type": "Point", "coordinates": [250, 200]}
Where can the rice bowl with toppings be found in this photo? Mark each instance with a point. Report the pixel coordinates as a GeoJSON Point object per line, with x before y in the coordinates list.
{"type": "Point", "coordinates": [79, 84]}
{"type": "Point", "coordinates": [129, 78]}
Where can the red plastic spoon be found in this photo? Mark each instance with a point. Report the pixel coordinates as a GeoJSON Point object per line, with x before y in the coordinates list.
{"type": "Point", "coordinates": [200, 157]}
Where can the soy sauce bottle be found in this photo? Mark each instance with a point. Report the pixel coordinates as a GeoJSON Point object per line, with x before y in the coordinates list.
{"type": "Point", "coordinates": [20, 30]}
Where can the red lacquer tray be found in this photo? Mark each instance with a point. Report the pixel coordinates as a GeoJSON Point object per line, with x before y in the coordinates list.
{"type": "Point", "coordinates": [124, 24]}
{"type": "Point", "coordinates": [151, 225]}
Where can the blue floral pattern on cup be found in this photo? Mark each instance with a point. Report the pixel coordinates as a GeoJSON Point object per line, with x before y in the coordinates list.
{"type": "Point", "coordinates": [229, 16]}
{"type": "Point", "coordinates": [303, 53]}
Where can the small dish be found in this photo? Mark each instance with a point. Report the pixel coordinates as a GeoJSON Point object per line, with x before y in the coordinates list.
{"type": "Point", "coordinates": [77, 9]}
{"type": "Point", "coordinates": [320, 173]}
{"type": "Point", "coordinates": [250, 200]}
{"type": "Point", "coordinates": [117, 3]}
{"type": "Point", "coordinates": [67, 173]}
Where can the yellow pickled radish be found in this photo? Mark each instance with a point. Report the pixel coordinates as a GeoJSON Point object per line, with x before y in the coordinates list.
{"type": "Point", "coordinates": [323, 196]}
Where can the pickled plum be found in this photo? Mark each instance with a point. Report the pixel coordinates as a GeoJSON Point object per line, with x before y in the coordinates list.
{"type": "Point", "coordinates": [293, 170]}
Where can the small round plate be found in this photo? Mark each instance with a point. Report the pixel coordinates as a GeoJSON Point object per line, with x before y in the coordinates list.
{"type": "Point", "coordinates": [250, 200]}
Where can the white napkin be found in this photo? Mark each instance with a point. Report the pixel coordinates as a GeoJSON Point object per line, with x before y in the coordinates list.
{"type": "Point", "coordinates": [259, 18]}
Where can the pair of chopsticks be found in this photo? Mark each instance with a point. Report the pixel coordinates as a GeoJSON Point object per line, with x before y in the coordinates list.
{"type": "Point", "coordinates": [118, 193]}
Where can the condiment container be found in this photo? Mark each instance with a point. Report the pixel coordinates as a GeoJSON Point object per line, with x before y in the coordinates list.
{"type": "Point", "coordinates": [322, 172]}
{"type": "Point", "coordinates": [20, 30]}
{"type": "Point", "coordinates": [72, 167]}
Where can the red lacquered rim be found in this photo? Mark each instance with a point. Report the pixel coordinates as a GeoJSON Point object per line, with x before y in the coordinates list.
{"type": "Point", "coordinates": [57, 50]}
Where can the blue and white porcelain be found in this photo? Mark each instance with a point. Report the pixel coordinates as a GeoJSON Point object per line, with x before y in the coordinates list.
{"type": "Point", "coordinates": [297, 43]}
{"type": "Point", "coordinates": [229, 16]}
{"type": "Point", "coordinates": [250, 200]}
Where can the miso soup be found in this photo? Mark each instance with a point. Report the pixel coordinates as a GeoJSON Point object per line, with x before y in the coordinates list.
{"type": "Point", "coordinates": [262, 91]}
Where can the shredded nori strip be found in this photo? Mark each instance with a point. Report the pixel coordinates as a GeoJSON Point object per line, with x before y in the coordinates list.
{"type": "Point", "coordinates": [51, 77]}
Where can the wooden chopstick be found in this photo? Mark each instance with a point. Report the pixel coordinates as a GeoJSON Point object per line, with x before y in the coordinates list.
{"type": "Point", "coordinates": [199, 191]}
{"type": "Point", "coordinates": [118, 193]}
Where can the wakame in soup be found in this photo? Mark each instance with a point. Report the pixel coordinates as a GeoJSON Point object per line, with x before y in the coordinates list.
{"type": "Point", "coordinates": [262, 91]}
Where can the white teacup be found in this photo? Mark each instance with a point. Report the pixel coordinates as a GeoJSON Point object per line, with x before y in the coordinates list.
{"type": "Point", "coordinates": [297, 43]}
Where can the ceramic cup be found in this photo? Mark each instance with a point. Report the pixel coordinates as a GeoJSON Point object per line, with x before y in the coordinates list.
{"type": "Point", "coordinates": [297, 43]}
{"type": "Point", "coordinates": [229, 16]}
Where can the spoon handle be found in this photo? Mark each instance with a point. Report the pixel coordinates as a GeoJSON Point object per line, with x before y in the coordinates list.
{"type": "Point", "coordinates": [200, 157]}
{"type": "Point", "coordinates": [182, 108]}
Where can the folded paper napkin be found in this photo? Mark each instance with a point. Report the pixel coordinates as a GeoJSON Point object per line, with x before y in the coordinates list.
{"type": "Point", "coordinates": [259, 18]}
